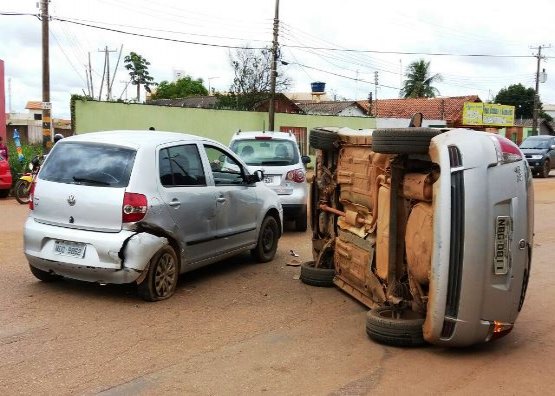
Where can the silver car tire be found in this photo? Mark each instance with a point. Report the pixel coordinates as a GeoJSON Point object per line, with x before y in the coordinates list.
{"type": "Point", "coordinates": [43, 275]}
{"type": "Point", "coordinates": [161, 280]}
{"type": "Point", "coordinates": [266, 246]}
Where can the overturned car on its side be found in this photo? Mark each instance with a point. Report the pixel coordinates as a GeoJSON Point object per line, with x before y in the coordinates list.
{"type": "Point", "coordinates": [429, 228]}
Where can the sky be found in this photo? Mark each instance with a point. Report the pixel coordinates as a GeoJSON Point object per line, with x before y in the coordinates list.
{"type": "Point", "coordinates": [478, 47]}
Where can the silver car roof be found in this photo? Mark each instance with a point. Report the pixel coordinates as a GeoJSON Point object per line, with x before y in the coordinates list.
{"type": "Point", "coordinates": [136, 138]}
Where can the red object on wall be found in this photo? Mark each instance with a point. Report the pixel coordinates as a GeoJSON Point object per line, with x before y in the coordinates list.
{"type": "Point", "coordinates": [2, 102]}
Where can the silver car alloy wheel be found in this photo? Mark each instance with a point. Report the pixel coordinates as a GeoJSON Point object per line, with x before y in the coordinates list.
{"type": "Point", "coordinates": [165, 275]}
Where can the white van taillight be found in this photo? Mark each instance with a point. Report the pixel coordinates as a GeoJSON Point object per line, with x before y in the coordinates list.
{"type": "Point", "coordinates": [32, 196]}
{"type": "Point", "coordinates": [296, 175]}
{"type": "Point", "coordinates": [134, 207]}
{"type": "Point", "coordinates": [507, 151]}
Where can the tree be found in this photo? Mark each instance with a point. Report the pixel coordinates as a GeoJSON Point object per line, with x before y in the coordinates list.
{"type": "Point", "coordinates": [522, 99]}
{"type": "Point", "coordinates": [419, 81]}
{"type": "Point", "coordinates": [138, 70]}
{"type": "Point", "coordinates": [251, 82]}
{"type": "Point", "coordinates": [181, 88]}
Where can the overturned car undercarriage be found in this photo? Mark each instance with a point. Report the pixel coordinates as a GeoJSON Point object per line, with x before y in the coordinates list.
{"type": "Point", "coordinates": [372, 221]}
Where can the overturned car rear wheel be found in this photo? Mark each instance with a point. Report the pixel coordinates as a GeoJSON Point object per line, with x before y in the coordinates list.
{"type": "Point", "coordinates": [389, 326]}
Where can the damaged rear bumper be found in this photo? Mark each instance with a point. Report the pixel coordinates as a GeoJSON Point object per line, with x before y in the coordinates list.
{"type": "Point", "coordinates": [119, 257]}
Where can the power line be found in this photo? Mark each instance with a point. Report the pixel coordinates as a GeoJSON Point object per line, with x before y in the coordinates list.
{"type": "Point", "coordinates": [337, 74]}
{"type": "Point", "coordinates": [157, 37]}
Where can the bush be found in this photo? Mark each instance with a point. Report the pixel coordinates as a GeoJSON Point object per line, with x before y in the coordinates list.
{"type": "Point", "coordinates": [19, 167]}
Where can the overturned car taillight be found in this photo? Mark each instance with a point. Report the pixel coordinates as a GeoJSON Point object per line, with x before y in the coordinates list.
{"type": "Point", "coordinates": [134, 207]}
{"type": "Point", "coordinates": [507, 151]}
{"type": "Point", "coordinates": [498, 329]}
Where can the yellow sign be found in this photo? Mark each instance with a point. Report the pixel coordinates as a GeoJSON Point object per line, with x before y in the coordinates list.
{"type": "Point", "coordinates": [472, 113]}
{"type": "Point", "coordinates": [488, 114]}
{"type": "Point", "coordinates": [499, 115]}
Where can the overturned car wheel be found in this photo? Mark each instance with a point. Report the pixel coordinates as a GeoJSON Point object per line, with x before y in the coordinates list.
{"type": "Point", "coordinates": [322, 139]}
{"type": "Point", "coordinates": [393, 327]}
{"type": "Point", "coordinates": [403, 141]}
{"type": "Point", "coordinates": [322, 277]}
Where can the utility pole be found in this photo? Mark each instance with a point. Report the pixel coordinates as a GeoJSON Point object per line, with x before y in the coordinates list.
{"type": "Point", "coordinates": [376, 94]}
{"type": "Point", "coordinates": [536, 109]}
{"type": "Point", "coordinates": [46, 105]}
{"type": "Point", "coordinates": [116, 69]}
{"type": "Point", "coordinates": [107, 71]}
{"type": "Point", "coordinates": [90, 77]}
{"type": "Point", "coordinates": [271, 110]}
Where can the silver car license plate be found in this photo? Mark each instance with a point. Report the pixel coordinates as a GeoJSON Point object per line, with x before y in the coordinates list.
{"type": "Point", "coordinates": [503, 228]}
{"type": "Point", "coordinates": [66, 248]}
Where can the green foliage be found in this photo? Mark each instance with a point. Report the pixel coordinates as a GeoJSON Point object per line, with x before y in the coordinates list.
{"type": "Point", "coordinates": [181, 88]}
{"type": "Point", "coordinates": [138, 71]}
{"type": "Point", "coordinates": [522, 99]}
{"type": "Point", "coordinates": [19, 167]}
{"type": "Point", "coordinates": [251, 82]}
{"type": "Point", "coordinates": [418, 83]}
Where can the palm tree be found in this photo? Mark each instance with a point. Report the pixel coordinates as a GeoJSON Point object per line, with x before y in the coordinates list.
{"type": "Point", "coordinates": [419, 81]}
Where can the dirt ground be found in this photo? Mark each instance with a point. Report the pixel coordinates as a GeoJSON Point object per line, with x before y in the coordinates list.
{"type": "Point", "coordinates": [243, 328]}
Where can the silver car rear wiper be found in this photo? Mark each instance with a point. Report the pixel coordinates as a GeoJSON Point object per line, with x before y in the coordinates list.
{"type": "Point", "coordinates": [90, 181]}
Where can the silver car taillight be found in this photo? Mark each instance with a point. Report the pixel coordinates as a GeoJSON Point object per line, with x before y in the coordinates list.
{"type": "Point", "coordinates": [506, 150]}
{"type": "Point", "coordinates": [134, 207]}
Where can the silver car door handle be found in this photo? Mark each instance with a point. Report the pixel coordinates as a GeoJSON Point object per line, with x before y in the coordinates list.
{"type": "Point", "coordinates": [174, 202]}
{"type": "Point", "coordinates": [221, 199]}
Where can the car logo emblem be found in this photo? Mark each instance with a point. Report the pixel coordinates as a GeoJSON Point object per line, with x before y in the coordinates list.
{"type": "Point", "coordinates": [71, 200]}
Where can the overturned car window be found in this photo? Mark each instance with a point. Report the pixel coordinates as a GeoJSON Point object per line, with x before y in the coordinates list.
{"type": "Point", "coordinates": [90, 164]}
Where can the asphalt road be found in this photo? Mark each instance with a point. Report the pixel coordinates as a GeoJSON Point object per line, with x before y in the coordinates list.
{"type": "Point", "coordinates": [239, 327]}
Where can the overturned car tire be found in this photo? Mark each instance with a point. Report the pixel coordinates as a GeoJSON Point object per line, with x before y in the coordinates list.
{"type": "Point", "coordinates": [403, 141]}
{"type": "Point", "coordinates": [390, 327]}
{"type": "Point", "coordinates": [322, 277]}
{"type": "Point", "coordinates": [322, 139]}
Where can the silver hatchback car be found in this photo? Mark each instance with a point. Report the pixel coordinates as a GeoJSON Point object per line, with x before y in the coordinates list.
{"type": "Point", "coordinates": [142, 207]}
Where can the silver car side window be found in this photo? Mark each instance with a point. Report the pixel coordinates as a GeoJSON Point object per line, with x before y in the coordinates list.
{"type": "Point", "coordinates": [181, 166]}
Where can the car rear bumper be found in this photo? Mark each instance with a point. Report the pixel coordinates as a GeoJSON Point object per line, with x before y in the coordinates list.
{"type": "Point", "coordinates": [466, 295]}
{"type": "Point", "coordinates": [293, 210]}
{"type": "Point", "coordinates": [5, 182]}
{"type": "Point", "coordinates": [119, 257]}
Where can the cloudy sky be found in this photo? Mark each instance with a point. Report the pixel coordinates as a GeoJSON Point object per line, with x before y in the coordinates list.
{"type": "Point", "coordinates": [479, 47]}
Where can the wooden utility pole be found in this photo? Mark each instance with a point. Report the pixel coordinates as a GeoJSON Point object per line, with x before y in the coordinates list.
{"type": "Point", "coordinates": [271, 110]}
{"type": "Point", "coordinates": [46, 105]}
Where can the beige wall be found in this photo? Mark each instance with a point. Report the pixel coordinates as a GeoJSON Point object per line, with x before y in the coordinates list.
{"type": "Point", "coordinates": [220, 125]}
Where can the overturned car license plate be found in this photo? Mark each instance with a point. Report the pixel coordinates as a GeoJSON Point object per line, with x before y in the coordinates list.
{"type": "Point", "coordinates": [503, 228]}
{"type": "Point", "coordinates": [72, 249]}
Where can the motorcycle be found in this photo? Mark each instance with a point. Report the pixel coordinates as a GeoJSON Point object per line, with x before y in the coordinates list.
{"type": "Point", "coordinates": [23, 185]}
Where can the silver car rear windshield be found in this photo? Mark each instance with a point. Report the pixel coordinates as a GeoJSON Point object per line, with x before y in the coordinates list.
{"type": "Point", "coordinates": [269, 152]}
{"type": "Point", "coordinates": [90, 164]}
